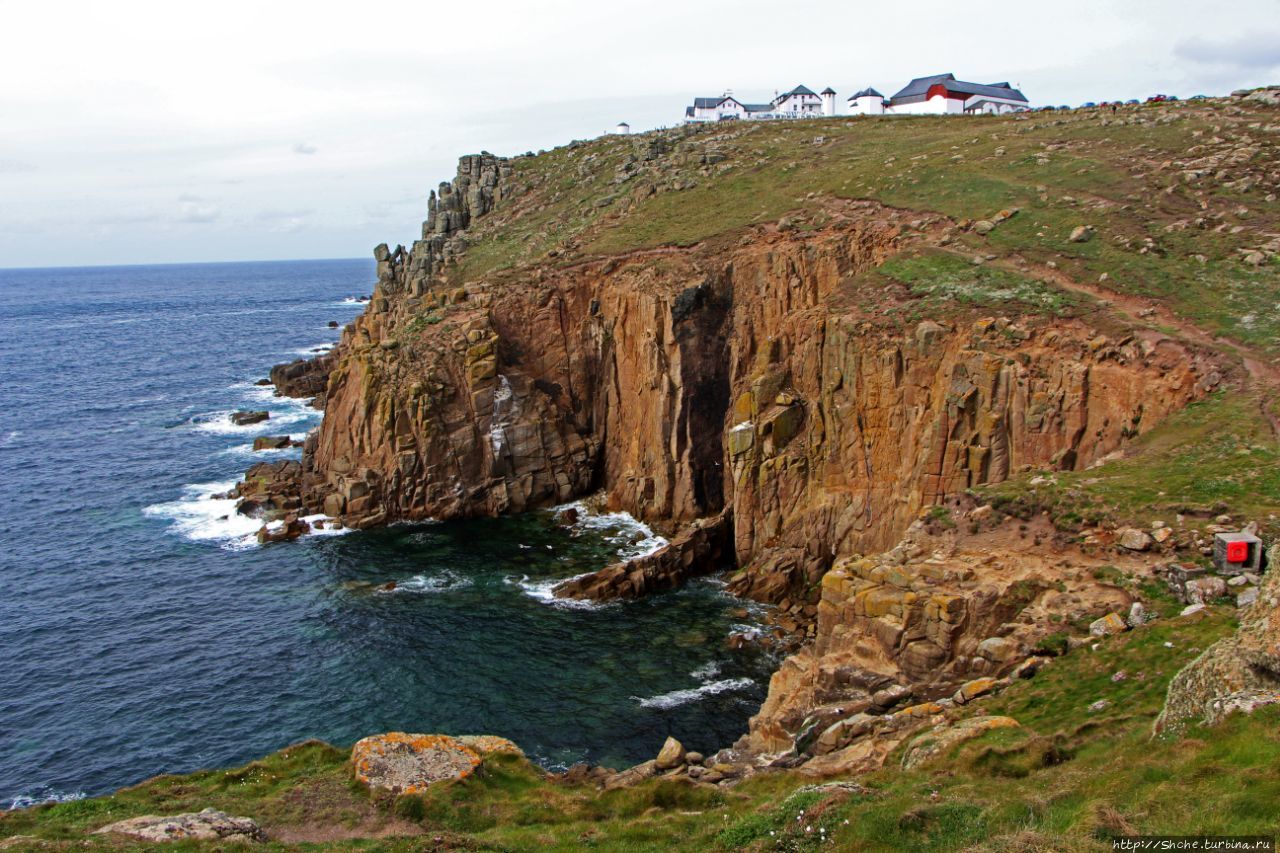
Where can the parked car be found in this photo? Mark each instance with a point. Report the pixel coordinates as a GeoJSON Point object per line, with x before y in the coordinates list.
{"type": "Point", "coordinates": [1132, 101]}
{"type": "Point", "coordinates": [1157, 99]}
{"type": "Point", "coordinates": [1198, 98]}
{"type": "Point", "coordinates": [1088, 105]}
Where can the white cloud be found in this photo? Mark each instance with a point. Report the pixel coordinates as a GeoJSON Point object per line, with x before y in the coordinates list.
{"type": "Point", "coordinates": [1259, 50]}
{"type": "Point", "coordinates": [110, 112]}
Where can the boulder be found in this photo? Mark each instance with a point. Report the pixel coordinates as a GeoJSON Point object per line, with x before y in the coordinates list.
{"type": "Point", "coordinates": [207, 825]}
{"type": "Point", "coordinates": [671, 755]}
{"type": "Point", "coordinates": [1081, 234]}
{"type": "Point", "coordinates": [408, 763]}
{"type": "Point", "coordinates": [486, 744]}
{"type": "Point", "coordinates": [1137, 615]}
{"type": "Point", "coordinates": [998, 649]}
{"type": "Point", "coordinates": [282, 531]}
{"type": "Point", "coordinates": [1205, 589]}
{"type": "Point", "coordinates": [245, 418]}
{"type": "Point", "coordinates": [971, 690]}
{"type": "Point", "coordinates": [1133, 539]}
{"type": "Point", "coordinates": [983, 226]}
{"type": "Point", "coordinates": [1112, 623]}
{"type": "Point", "coordinates": [272, 442]}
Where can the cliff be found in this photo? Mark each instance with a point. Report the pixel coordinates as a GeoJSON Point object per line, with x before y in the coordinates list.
{"type": "Point", "coordinates": [797, 350]}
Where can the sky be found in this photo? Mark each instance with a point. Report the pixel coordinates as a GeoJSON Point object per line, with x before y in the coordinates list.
{"type": "Point", "coordinates": [162, 132]}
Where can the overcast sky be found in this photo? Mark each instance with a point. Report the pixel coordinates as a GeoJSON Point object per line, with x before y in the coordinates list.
{"type": "Point", "coordinates": [139, 132]}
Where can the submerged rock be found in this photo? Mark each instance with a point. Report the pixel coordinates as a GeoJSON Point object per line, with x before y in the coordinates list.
{"type": "Point", "coordinates": [207, 825]}
{"type": "Point", "coordinates": [272, 442]}
{"type": "Point", "coordinates": [247, 418]}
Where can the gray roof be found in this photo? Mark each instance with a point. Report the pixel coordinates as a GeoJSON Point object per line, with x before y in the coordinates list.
{"type": "Point", "coordinates": [706, 103]}
{"type": "Point", "coordinates": [798, 90]}
{"type": "Point", "coordinates": [757, 108]}
{"type": "Point", "coordinates": [866, 93]}
{"type": "Point", "coordinates": [918, 88]}
{"type": "Point", "coordinates": [828, 91]}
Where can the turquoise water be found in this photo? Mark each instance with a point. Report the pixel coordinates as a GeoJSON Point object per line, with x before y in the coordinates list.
{"type": "Point", "coordinates": [143, 632]}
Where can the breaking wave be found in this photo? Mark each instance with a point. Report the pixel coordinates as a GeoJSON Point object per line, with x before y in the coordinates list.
{"type": "Point", "coordinates": [683, 697]}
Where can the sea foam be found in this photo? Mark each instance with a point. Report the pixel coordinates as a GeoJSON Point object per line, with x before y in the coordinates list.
{"type": "Point", "coordinates": [683, 697]}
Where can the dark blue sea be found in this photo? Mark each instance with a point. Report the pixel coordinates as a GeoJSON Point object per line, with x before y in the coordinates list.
{"type": "Point", "coordinates": [143, 631]}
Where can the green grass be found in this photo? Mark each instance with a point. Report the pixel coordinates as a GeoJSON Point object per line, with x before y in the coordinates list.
{"type": "Point", "coordinates": [1067, 779]}
{"type": "Point", "coordinates": [1217, 455]}
{"type": "Point", "coordinates": [1061, 171]}
{"type": "Point", "coordinates": [940, 281]}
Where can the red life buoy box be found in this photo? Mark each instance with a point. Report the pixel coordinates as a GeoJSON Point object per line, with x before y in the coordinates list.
{"type": "Point", "coordinates": [1237, 552]}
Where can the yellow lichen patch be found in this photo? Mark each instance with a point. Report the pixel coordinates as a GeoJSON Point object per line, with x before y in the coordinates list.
{"type": "Point", "coordinates": [485, 744]}
{"type": "Point", "coordinates": [408, 763]}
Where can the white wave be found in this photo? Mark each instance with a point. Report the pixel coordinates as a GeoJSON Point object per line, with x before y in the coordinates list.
{"type": "Point", "coordinates": [682, 697]}
{"type": "Point", "coordinates": [201, 517]}
{"type": "Point", "coordinates": [708, 670]}
{"type": "Point", "coordinates": [313, 350]}
{"type": "Point", "coordinates": [10, 438]}
{"type": "Point", "coordinates": [632, 537]}
{"type": "Point", "coordinates": [42, 795]}
{"type": "Point", "coordinates": [271, 452]}
{"type": "Point", "coordinates": [443, 582]}
{"type": "Point", "coordinates": [351, 300]}
{"type": "Point", "coordinates": [327, 530]}
{"type": "Point", "coordinates": [544, 591]}
{"type": "Point", "coordinates": [219, 423]}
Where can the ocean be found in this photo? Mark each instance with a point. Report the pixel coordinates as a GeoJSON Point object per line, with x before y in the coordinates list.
{"type": "Point", "coordinates": [143, 630]}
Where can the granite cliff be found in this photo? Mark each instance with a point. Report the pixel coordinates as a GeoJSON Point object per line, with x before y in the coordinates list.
{"type": "Point", "coordinates": [801, 396]}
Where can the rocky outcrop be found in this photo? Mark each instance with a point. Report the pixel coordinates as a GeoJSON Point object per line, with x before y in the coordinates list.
{"type": "Point", "coordinates": [207, 825]}
{"type": "Point", "coordinates": [472, 193]}
{"type": "Point", "coordinates": [937, 742]}
{"type": "Point", "coordinates": [1238, 673]}
{"type": "Point", "coordinates": [704, 546]}
{"type": "Point", "coordinates": [304, 377]}
{"type": "Point", "coordinates": [751, 376]}
{"type": "Point", "coordinates": [927, 620]}
{"type": "Point", "coordinates": [402, 763]}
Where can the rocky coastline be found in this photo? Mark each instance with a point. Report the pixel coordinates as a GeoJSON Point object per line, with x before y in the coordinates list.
{"type": "Point", "coordinates": [748, 398]}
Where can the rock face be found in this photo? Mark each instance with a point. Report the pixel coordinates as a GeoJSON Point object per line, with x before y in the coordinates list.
{"type": "Point", "coordinates": [207, 825]}
{"type": "Point", "coordinates": [687, 382]}
{"type": "Point", "coordinates": [1238, 673]}
{"type": "Point", "coordinates": [407, 763]}
{"type": "Point", "coordinates": [929, 619]}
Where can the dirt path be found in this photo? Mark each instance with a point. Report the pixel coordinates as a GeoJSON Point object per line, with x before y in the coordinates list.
{"type": "Point", "coordinates": [1264, 376]}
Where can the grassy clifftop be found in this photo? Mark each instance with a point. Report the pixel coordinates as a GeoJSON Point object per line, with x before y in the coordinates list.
{"type": "Point", "coordinates": [1081, 769]}
{"type": "Point", "coordinates": [1181, 197]}
{"type": "Point", "coordinates": [1161, 217]}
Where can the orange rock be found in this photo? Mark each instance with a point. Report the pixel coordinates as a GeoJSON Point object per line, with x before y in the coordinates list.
{"type": "Point", "coordinates": [408, 763]}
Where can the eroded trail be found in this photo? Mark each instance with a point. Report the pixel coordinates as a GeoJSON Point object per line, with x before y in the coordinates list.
{"type": "Point", "coordinates": [1263, 374]}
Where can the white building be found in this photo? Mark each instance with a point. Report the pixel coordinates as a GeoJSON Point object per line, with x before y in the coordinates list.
{"type": "Point", "coordinates": [622, 128]}
{"type": "Point", "coordinates": [828, 101]}
{"type": "Point", "coordinates": [868, 102]}
{"type": "Point", "coordinates": [943, 94]}
{"type": "Point", "coordinates": [800, 102]}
